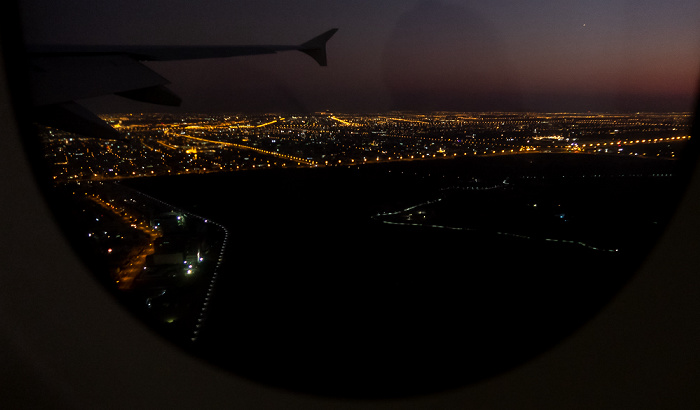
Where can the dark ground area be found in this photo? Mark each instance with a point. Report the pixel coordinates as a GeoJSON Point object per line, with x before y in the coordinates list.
{"type": "Point", "coordinates": [316, 295]}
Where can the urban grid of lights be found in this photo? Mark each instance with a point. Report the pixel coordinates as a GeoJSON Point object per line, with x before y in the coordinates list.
{"type": "Point", "coordinates": [167, 144]}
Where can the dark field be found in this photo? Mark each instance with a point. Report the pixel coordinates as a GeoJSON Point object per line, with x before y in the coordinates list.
{"type": "Point", "coordinates": [318, 293]}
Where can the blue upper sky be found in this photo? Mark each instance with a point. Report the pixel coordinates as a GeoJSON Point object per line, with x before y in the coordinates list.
{"type": "Point", "coordinates": [584, 55]}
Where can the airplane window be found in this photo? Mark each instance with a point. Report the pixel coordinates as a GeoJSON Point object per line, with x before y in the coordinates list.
{"type": "Point", "coordinates": [433, 195]}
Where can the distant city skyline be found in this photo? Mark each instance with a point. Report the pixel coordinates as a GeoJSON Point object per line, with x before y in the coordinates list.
{"type": "Point", "coordinates": [599, 56]}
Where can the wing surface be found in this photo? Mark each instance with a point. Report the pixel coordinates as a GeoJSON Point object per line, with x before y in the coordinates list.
{"type": "Point", "coordinates": [61, 78]}
{"type": "Point", "coordinates": [62, 74]}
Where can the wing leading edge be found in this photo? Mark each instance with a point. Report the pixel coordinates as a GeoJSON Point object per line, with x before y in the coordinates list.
{"type": "Point", "coordinates": [62, 74]}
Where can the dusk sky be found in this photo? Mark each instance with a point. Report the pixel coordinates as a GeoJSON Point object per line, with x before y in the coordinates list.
{"type": "Point", "coordinates": [462, 55]}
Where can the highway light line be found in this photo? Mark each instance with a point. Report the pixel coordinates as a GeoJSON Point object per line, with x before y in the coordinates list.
{"type": "Point", "coordinates": [262, 151]}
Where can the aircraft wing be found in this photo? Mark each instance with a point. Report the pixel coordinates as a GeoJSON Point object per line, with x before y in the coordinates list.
{"type": "Point", "coordinates": [62, 74]}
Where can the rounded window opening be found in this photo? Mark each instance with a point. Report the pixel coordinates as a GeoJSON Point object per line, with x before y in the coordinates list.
{"type": "Point", "coordinates": [464, 210]}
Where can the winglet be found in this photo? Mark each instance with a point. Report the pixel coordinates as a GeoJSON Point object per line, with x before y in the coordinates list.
{"type": "Point", "coordinates": [316, 47]}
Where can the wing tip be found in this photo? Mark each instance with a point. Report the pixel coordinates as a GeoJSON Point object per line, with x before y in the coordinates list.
{"type": "Point", "coordinates": [316, 47]}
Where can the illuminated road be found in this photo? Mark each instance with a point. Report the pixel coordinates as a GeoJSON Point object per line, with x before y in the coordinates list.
{"type": "Point", "coordinates": [135, 261]}
{"type": "Point", "coordinates": [246, 147]}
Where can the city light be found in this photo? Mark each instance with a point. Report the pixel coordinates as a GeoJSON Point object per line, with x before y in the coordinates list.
{"type": "Point", "coordinates": [167, 144]}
